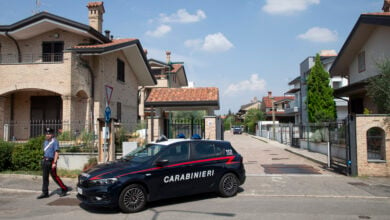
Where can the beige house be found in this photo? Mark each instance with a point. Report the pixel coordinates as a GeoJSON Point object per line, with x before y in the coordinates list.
{"type": "Point", "coordinates": [254, 104]}
{"type": "Point", "coordinates": [167, 75]}
{"type": "Point", "coordinates": [55, 70]}
{"type": "Point", "coordinates": [367, 44]}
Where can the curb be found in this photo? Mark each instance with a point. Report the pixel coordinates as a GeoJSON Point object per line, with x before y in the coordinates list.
{"type": "Point", "coordinates": [307, 157]}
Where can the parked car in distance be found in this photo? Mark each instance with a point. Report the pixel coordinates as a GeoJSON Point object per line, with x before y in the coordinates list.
{"type": "Point", "coordinates": [237, 130]}
{"type": "Point", "coordinates": [166, 169]}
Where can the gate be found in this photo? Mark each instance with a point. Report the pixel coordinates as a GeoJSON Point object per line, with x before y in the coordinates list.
{"type": "Point", "coordinates": [340, 146]}
{"type": "Point", "coordinates": [186, 126]}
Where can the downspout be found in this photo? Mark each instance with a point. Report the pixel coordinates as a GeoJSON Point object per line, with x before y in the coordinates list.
{"type": "Point", "coordinates": [17, 46]}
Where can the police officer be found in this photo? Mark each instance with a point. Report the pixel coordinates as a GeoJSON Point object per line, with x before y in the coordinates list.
{"type": "Point", "coordinates": [49, 164]}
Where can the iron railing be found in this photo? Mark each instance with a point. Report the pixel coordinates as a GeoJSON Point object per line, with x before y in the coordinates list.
{"type": "Point", "coordinates": [26, 58]}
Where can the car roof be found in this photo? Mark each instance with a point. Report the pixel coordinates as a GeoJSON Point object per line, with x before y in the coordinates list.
{"type": "Point", "coordinates": [173, 141]}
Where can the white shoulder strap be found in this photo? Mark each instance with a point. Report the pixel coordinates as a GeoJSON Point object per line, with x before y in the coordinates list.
{"type": "Point", "coordinates": [47, 146]}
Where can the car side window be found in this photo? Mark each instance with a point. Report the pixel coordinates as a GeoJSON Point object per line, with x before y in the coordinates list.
{"type": "Point", "coordinates": [203, 150]}
{"type": "Point", "coordinates": [176, 153]}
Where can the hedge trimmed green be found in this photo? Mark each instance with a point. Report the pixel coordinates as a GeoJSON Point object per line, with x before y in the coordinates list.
{"type": "Point", "coordinates": [28, 156]}
{"type": "Point", "coordinates": [6, 155]}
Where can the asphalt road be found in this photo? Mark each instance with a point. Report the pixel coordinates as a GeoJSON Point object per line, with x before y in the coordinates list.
{"type": "Point", "coordinates": [324, 195]}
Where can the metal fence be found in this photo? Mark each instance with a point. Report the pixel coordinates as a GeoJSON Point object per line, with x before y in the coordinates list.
{"type": "Point", "coordinates": [186, 126]}
{"type": "Point", "coordinates": [314, 137]}
{"type": "Point", "coordinates": [79, 135]}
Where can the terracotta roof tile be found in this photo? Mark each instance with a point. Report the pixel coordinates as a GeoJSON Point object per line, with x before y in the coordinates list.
{"type": "Point", "coordinates": [378, 13]}
{"type": "Point", "coordinates": [268, 101]}
{"type": "Point", "coordinates": [112, 43]}
{"type": "Point", "coordinates": [94, 4]}
{"type": "Point", "coordinates": [176, 67]}
{"type": "Point", "coordinates": [183, 94]}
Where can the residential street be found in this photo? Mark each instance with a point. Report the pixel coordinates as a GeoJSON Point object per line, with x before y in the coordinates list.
{"type": "Point", "coordinates": [286, 195]}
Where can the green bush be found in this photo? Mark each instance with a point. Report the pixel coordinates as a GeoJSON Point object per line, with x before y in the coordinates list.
{"type": "Point", "coordinates": [5, 155]}
{"type": "Point", "coordinates": [28, 156]}
{"type": "Point", "coordinates": [65, 136]}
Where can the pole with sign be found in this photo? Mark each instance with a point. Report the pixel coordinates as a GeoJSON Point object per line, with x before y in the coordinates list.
{"type": "Point", "coordinates": [107, 117]}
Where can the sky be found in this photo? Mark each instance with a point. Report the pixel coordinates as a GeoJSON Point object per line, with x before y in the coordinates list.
{"type": "Point", "coordinates": [244, 47]}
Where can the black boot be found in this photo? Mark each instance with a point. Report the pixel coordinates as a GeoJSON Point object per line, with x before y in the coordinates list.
{"type": "Point", "coordinates": [43, 195]}
{"type": "Point", "coordinates": [64, 192]}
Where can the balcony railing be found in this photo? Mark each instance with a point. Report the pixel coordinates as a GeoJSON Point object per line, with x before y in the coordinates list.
{"type": "Point", "coordinates": [31, 58]}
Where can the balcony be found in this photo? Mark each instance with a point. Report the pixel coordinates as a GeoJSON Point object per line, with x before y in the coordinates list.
{"type": "Point", "coordinates": [292, 108]}
{"type": "Point", "coordinates": [29, 58]}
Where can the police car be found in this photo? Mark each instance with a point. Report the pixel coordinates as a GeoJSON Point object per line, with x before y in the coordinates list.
{"type": "Point", "coordinates": [166, 169]}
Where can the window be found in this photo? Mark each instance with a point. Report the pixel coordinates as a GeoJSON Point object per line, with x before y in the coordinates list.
{"type": "Point", "coordinates": [336, 84]}
{"type": "Point", "coordinates": [176, 153]}
{"type": "Point", "coordinates": [119, 111]}
{"type": "Point", "coordinates": [376, 144]}
{"type": "Point", "coordinates": [362, 61]}
{"type": "Point", "coordinates": [120, 70]}
{"type": "Point", "coordinates": [203, 150]}
{"type": "Point", "coordinates": [52, 51]}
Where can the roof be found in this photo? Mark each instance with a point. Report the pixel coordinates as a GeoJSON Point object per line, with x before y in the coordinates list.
{"type": "Point", "coordinates": [268, 101]}
{"type": "Point", "coordinates": [172, 141]}
{"type": "Point", "coordinates": [293, 91]}
{"type": "Point", "coordinates": [208, 96]}
{"type": "Point", "coordinates": [243, 107]}
{"type": "Point", "coordinates": [292, 82]}
{"type": "Point", "coordinates": [116, 43]}
{"type": "Point", "coordinates": [360, 33]}
{"type": "Point", "coordinates": [41, 22]}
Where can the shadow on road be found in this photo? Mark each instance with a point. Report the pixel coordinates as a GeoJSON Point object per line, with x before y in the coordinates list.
{"type": "Point", "coordinates": [161, 203]}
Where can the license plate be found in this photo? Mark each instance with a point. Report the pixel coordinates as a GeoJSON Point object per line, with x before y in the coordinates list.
{"type": "Point", "coordinates": [80, 191]}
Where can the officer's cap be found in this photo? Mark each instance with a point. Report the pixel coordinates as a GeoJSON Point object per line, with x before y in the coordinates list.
{"type": "Point", "coordinates": [49, 131]}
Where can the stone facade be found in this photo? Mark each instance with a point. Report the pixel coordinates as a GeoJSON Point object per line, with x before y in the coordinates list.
{"type": "Point", "coordinates": [367, 167]}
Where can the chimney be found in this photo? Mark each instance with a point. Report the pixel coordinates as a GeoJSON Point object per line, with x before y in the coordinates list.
{"type": "Point", "coordinates": [146, 52]}
{"type": "Point", "coordinates": [168, 53]}
{"type": "Point", "coordinates": [95, 15]}
{"type": "Point", "coordinates": [386, 6]}
{"type": "Point", "coordinates": [269, 94]}
{"type": "Point", "coordinates": [107, 32]}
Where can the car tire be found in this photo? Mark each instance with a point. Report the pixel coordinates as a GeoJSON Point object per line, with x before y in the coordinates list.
{"type": "Point", "coordinates": [132, 198]}
{"type": "Point", "coordinates": [228, 185]}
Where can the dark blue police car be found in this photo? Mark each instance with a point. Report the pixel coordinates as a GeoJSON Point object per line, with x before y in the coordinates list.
{"type": "Point", "coordinates": [166, 169]}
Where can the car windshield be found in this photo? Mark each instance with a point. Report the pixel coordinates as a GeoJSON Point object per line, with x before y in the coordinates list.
{"type": "Point", "coordinates": [142, 154]}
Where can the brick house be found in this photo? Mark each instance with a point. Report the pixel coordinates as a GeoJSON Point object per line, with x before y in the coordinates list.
{"type": "Point", "coordinates": [277, 105]}
{"type": "Point", "coordinates": [367, 44]}
{"type": "Point", "coordinates": [56, 69]}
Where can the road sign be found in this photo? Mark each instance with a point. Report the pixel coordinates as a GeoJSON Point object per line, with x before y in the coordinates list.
{"type": "Point", "coordinates": [109, 90]}
{"type": "Point", "coordinates": [107, 114]}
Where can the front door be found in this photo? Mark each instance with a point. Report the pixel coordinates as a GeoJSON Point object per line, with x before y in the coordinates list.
{"type": "Point", "coordinates": [45, 111]}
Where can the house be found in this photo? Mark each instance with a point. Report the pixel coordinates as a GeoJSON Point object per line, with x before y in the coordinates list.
{"type": "Point", "coordinates": [54, 71]}
{"type": "Point", "coordinates": [367, 44]}
{"type": "Point", "coordinates": [168, 75]}
{"type": "Point", "coordinates": [327, 58]}
{"type": "Point", "coordinates": [254, 104]}
{"type": "Point", "coordinates": [274, 108]}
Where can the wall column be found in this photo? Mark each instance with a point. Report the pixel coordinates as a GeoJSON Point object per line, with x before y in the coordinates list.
{"type": "Point", "coordinates": [210, 127]}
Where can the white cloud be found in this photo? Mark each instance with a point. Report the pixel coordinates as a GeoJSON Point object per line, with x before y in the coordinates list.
{"type": "Point", "coordinates": [252, 84]}
{"type": "Point", "coordinates": [160, 31]}
{"type": "Point", "coordinates": [212, 43]}
{"type": "Point", "coordinates": [182, 16]}
{"type": "Point", "coordinates": [321, 35]}
{"type": "Point", "coordinates": [287, 7]}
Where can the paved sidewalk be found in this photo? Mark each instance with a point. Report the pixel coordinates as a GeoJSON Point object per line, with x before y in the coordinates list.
{"type": "Point", "coordinates": [313, 156]}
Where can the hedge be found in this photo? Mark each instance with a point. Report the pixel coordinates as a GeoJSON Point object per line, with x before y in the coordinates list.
{"type": "Point", "coordinates": [6, 149]}
{"type": "Point", "coordinates": [28, 156]}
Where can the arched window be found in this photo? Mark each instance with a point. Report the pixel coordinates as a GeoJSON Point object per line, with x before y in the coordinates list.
{"type": "Point", "coordinates": [376, 144]}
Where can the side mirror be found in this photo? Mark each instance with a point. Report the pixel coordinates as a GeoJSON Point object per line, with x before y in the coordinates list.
{"type": "Point", "coordinates": [161, 163]}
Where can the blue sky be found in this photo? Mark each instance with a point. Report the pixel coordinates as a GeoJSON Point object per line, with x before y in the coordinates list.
{"type": "Point", "coordinates": [243, 47]}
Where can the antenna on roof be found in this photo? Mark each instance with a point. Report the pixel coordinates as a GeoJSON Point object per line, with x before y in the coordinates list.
{"type": "Point", "coordinates": [37, 5]}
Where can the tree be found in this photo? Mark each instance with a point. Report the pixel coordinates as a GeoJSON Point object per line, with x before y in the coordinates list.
{"type": "Point", "coordinates": [251, 119]}
{"type": "Point", "coordinates": [378, 88]}
{"type": "Point", "coordinates": [320, 104]}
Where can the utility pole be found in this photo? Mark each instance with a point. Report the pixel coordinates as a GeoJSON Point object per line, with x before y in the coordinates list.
{"type": "Point", "coordinates": [273, 117]}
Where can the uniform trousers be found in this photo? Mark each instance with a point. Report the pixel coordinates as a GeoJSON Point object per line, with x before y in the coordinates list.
{"type": "Point", "coordinates": [46, 169]}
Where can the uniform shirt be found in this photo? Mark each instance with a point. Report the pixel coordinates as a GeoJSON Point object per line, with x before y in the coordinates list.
{"type": "Point", "coordinates": [50, 151]}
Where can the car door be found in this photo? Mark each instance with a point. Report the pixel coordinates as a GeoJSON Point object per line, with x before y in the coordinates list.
{"type": "Point", "coordinates": [170, 180]}
{"type": "Point", "coordinates": [208, 160]}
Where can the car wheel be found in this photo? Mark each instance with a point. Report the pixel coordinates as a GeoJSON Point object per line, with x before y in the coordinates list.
{"type": "Point", "coordinates": [132, 198]}
{"type": "Point", "coordinates": [228, 185]}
